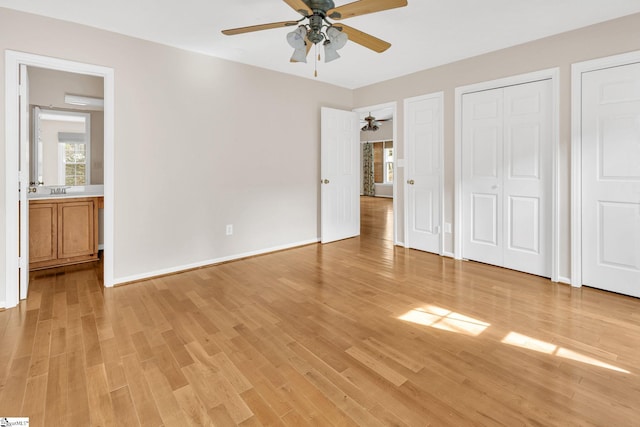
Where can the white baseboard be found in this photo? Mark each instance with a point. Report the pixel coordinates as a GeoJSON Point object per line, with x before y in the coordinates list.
{"type": "Point", "coordinates": [209, 262]}
{"type": "Point", "coordinates": [564, 280]}
{"type": "Point", "coordinates": [448, 254]}
{"type": "Point", "coordinates": [3, 304]}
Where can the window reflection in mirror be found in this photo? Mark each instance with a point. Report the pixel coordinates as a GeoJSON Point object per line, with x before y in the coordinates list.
{"type": "Point", "coordinates": [61, 147]}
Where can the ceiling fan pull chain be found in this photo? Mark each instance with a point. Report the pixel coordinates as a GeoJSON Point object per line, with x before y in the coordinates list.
{"type": "Point", "coordinates": [315, 73]}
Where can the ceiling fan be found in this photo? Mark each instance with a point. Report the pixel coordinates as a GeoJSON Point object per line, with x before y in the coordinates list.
{"type": "Point", "coordinates": [320, 29]}
{"type": "Point", "coordinates": [373, 124]}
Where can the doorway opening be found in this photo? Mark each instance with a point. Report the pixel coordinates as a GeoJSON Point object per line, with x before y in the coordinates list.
{"type": "Point", "coordinates": [378, 166]}
{"type": "Point", "coordinates": [17, 166]}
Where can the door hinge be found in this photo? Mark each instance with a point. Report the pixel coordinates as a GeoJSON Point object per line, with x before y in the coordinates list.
{"type": "Point", "coordinates": [22, 89]}
{"type": "Point", "coordinates": [21, 262]}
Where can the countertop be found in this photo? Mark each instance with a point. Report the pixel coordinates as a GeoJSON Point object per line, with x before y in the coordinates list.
{"type": "Point", "coordinates": [44, 193]}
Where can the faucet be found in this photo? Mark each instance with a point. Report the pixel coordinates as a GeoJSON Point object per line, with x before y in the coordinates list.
{"type": "Point", "coordinates": [58, 190]}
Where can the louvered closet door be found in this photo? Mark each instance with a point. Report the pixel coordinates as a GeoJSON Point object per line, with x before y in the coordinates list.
{"type": "Point", "coordinates": [506, 177]}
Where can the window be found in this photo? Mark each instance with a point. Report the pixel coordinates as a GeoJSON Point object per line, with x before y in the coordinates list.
{"type": "Point", "coordinates": [383, 162]}
{"type": "Point", "coordinates": [388, 162]}
{"type": "Point", "coordinates": [74, 160]}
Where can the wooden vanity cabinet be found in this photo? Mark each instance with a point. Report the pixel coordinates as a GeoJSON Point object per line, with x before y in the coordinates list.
{"type": "Point", "coordinates": [63, 231]}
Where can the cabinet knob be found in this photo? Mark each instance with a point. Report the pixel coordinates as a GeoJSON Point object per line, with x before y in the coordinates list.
{"type": "Point", "coordinates": [410, 182]}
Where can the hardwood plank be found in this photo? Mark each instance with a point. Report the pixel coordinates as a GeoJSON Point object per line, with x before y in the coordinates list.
{"type": "Point", "coordinates": [177, 348]}
{"type": "Point", "coordinates": [93, 353]}
{"type": "Point", "coordinates": [145, 405]}
{"type": "Point", "coordinates": [41, 349]}
{"type": "Point", "coordinates": [12, 394]}
{"type": "Point", "coordinates": [192, 408]}
{"type": "Point", "coordinates": [57, 404]}
{"type": "Point", "coordinates": [163, 395]}
{"type": "Point", "coordinates": [123, 406]}
{"type": "Point", "coordinates": [101, 412]}
{"type": "Point", "coordinates": [78, 392]}
{"type": "Point", "coordinates": [375, 365]}
{"type": "Point", "coordinates": [34, 402]}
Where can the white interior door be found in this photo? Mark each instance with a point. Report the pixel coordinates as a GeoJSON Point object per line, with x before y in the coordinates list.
{"type": "Point", "coordinates": [423, 173]}
{"type": "Point", "coordinates": [340, 175]}
{"type": "Point", "coordinates": [611, 179]}
{"type": "Point", "coordinates": [482, 162]}
{"type": "Point", "coordinates": [23, 253]}
{"type": "Point", "coordinates": [506, 177]}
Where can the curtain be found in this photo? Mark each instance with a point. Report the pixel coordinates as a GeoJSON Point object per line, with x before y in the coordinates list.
{"type": "Point", "coordinates": [368, 181]}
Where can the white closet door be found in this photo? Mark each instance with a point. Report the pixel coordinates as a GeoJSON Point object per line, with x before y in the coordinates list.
{"type": "Point", "coordinates": [527, 177]}
{"type": "Point", "coordinates": [611, 179]}
{"type": "Point", "coordinates": [482, 159]}
{"type": "Point", "coordinates": [424, 142]}
{"type": "Point", "coordinates": [506, 177]}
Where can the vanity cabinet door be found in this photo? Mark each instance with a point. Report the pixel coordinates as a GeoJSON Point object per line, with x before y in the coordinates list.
{"type": "Point", "coordinates": [63, 232]}
{"type": "Point", "coordinates": [43, 232]}
{"type": "Point", "coordinates": [76, 224]}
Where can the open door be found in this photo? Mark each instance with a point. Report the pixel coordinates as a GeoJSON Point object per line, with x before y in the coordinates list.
{"type": "Point", "coordinates": [23, 253]}
{"type": "Point", "coordinates": [340, 175]}
{"type": "Point", "coordinates": [423, 192]}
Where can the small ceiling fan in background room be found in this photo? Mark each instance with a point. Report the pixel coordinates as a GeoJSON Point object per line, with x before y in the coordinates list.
{"type": "Point", "coordinates": [372, 124]}
{"type": "Point", "coordinates": [319, 29]}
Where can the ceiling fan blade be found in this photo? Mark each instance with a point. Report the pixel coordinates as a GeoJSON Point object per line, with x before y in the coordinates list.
{"type": "Point", "coordinates": [362, 7]}
{"type": "Point", "coordinates": [308, 46]}
{"type": "Point", "coordinates": [364, 39]}
{"type": "Point", "coordinates": [242, 30]}
{"type": "Point", "coordinates": [300, 7]}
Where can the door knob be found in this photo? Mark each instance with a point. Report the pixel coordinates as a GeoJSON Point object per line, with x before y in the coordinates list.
{"type": "Point", "coordinates": [410, 182]}
{"type": "Point", "coordinates": [324, 181]}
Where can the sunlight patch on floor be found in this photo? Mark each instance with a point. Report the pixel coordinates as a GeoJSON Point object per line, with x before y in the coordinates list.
{"type": "Point", "coordinates": [445, 320]}
{"type": "Point", "coordinates": [450, 321]}
{"type": "Point", "coordinates": [523, 341]}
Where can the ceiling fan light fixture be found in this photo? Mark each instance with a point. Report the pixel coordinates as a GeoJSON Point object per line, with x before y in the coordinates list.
{"type": "Point", "coordinates": [330, 53]}
{"type": "Point", "coordinates": [337, 38]}
{"type": "Point", "coordinates": [296, 37]}
{"type": "Point", "coordinates": [370, 127]}
{"type": "Point", "coordinates": [299, 55]}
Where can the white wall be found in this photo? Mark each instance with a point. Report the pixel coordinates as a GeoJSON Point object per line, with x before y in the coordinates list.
{"type": "Point", "coordinates": [609, 38]}
{"type": "Point", "coordinates": [199, 143]}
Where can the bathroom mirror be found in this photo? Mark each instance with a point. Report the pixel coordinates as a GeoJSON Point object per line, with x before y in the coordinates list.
{"type": "Point", "coordinates": [67, 135]}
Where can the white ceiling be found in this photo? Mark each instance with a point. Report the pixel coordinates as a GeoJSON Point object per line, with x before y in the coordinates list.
{"type": "Point", "coordinates": [425, 34]}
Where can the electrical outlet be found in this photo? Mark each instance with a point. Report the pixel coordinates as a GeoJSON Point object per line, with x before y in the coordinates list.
{"type": "Point", "coordinates": [229, 229]}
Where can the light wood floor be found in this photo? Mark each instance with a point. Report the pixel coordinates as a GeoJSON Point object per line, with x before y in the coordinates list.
{"type": "Point", "coordinates": [357, 332]}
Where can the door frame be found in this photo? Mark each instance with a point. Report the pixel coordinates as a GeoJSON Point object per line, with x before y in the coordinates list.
{"type": "Point", "coordinates": [394, 107]}
{"type": "Point", "coordinates": [440, 97]}
{"type": "Point", "coordinates": [577, 70]}
{"type": "Point", "coordinates": [13, 60]}
{"type": "Point", "coordinates": [552, 74]}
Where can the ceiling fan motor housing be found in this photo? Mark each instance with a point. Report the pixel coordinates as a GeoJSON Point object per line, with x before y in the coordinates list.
{"type": "Point", "coordinates": [320, 5]}
{"type": "Point", "coordinates": [315, 29]}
